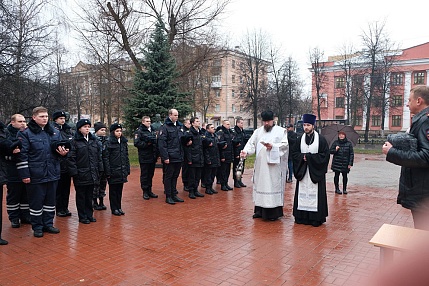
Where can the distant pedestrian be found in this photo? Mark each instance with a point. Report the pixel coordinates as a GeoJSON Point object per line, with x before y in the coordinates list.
{"type": "Point", "coordinates": [414, 179]}
{"type": "Point", "coordinates": [342, 160]}
{"type": "Point", "coordinates": [292, 138]}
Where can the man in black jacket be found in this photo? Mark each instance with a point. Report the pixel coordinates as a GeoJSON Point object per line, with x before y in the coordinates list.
{"type": "Point", "coordinates": [145, 141]}
{"type": "Point", "coordinates": [226, 154]}
{"type": "Point", "coordinates": [211, 159]}
{"type": "Point", "coordinates": [291, 138]}
{"type": "Point", "coordinates": [17, 197]}
{"type": "Point", "coordinates": [414, 179]}
{"type": "Point", "coordinates": [171, 153]}
{"type": "Point", "coordinates": [239, 142]}
{"type": "Point", "coordinates": [63, 188]}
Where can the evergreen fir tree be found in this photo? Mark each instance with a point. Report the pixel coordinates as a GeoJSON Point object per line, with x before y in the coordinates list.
{"type": "Point", "coordinates": [154, 90]}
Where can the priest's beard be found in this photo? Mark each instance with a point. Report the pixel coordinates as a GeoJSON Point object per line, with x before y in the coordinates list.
{"type": "Point", "coordinates": [268, 128]}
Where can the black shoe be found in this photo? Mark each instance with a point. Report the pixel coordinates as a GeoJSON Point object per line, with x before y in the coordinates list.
{"type": "Point", "coordinates": [337, 191]}
{"type": "Point", "coordinates": [241, 184]}
{"type": "Point", "coordinates": [146, 196]}
{"type": "Point", "coordinates": [198, 194]}
{"type": "Point", "coordinates": [177, 199]}
{"type": "Point", "coordinates": [224, 188]}
{"type": "Point", "coordinates": [229, 187]}
{"type": "Point", "coordinates": [170, 201]}
{"type": "Point", "coordinates": [208, 192]}
{"type": "Point", "coordinates": [121, 211]}
{"type": "Point", "coordinates": [68, 213]}
{"type": "Point", "coordinates": [316, 223]}
{"type": "Point", "coordinates": [256, 216]}
{"type": "Point", "coordinates": [84, 221]}
{"type": "Point", "coordinates": [51, 229]}
{"type": "Point", "coordinates": [15, 223]}
{"type": "Point", "coordinates": [152, 195]}
{"type": "Point", "coordinates": [213, 191]}
{"type": "Point", "coordinates": [345, 191]}
{"type": "Point", "coordinates": [116, 212]}
{"type": "Point", "coordinates": [61, 214]}
{"type": "Point", "coordinates": [92, 219]}
{"type": "Point", "coordinates": [38, 233]}
{"type": "Point", "coordinates": [97, 207]}
{"type": "Point", "coordinates": [4, 242]}
{"type": "Point", "coordinates": [192, 195]}
{"type": "Point", "coordinates": [102, 207]}
{"type": "Point", "coordinates": [237, 185]}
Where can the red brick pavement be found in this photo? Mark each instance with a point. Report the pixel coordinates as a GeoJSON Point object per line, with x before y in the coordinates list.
{"type": "Point", "coordinates": [207, 241]}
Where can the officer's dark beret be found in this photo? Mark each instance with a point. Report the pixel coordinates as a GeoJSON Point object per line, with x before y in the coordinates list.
{"type": "Point", "coordinates": [57, 114]}
{"type": "Point", "coordinates": [82, 122]}
{"type": "Point", "coordinates": [115, 126]}
{"type": "Point", "coordinates": [99, 125]}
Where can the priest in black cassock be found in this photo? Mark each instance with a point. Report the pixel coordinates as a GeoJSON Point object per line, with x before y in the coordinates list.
{"type": "Point", "coordinates": [310, 165]}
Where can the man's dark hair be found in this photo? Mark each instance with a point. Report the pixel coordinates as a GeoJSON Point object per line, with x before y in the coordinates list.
{"type": "Point", "coordinates": [192, 120]}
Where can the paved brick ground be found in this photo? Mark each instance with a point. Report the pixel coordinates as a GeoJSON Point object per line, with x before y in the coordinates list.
{"type": "Point", "coordinates": [212, 240]}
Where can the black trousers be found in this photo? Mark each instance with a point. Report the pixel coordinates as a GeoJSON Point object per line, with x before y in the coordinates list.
{"type": "Point", "coordinates": [147, 170]}
{"type": "Point", "coordinates": [234, 168]}
{"type": "Point", "coordinates": [1, 208]}
{"type": "Point", "coordinates": [17, 201]}
{"type": "Point", "coordinates": [194, 177]}
{"type": "Point", "coordinates": [185, 174]}
{"type": "Point", "coordinates": [225, 170]}
{"type": "Point", "coordinates": [41, 198]}
{"type": "Point", "coordinates": [63, 192]}
{"type": "Point", "coordinates": [84, 201]}
{"type": "Point", "coordinates": [171, 172]}
{"type": "Point", "coordinates": [337, 179]}
{"type": "Point", "coordinates": [209, 175]}
{"type": "Point", "coordinates": [115, 196]}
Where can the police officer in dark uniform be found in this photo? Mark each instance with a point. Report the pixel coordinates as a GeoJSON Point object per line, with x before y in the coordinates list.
{"type": "Point", "coordinates": [145, 141]}
{"type": "Point", "coordinates": [194, 158]}
{"type": "Point", "coordinates": [63, 188]}
{"type": "Point", "coordinates": [211, 158]}
{"type": "Point", "coordinates": [17, 205]}
{"type": "Point", "coordinates": [226, 154]}
{"type": "Point", "coordinates": [39, 168]}
{"type": "Point", "coordinates": [239, 142]}
{"type": "Point", "coordinates": [185, 167]}
{"type": "Point", "coordinates": [171, 153]}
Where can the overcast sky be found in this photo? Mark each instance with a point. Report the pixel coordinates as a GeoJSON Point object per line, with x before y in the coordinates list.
{"type": "Point", "coordinates": [299, 26]}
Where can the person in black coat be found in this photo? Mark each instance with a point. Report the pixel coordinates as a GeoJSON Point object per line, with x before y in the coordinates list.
{"type": "Point", "coordinates": [100, 187]}
{"type": "Point", "coordinates": [194, 158]}
{"type": "Point", "coordinates": [342, 161]}
{"type": "Point", "coordinates": [117, 167]}
{"type": "Point", "coordinates": [17, 205]}
{"type": "Point", "coordinates": [145, 141]}
{"type": "Point", "coordinates": [226, 154]}
{"type": "Point", "coordinates": [85, 165]}
{"type": "Point", "coordinates": [4, 151]}
{"type": "Point", "coordinates": [291, 138]}
{"type": "Point", "coordinates": [239, 142]}
{"type": "Point", "coordinates": [63, 188]}
{"type": "Point", "coordinates": [211, 159]}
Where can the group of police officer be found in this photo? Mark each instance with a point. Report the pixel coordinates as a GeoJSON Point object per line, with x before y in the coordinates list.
{"type": "Point", "coordinates": [202, 154]}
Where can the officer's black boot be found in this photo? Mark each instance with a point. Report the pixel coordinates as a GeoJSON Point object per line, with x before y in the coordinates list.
{"type": "Point", "coordinates": [345, 189]}
{"type": "Point", "coordinates": [208, 191]}
{"type": "Point", "coordinates": [198, 194]}
{"type": "Point", "coordinates": [237, 184]}
{"type": "Point", "coordinates": [337, 190]}
{"type": "Point", "coordinates": [241, 184]}
{"type": "Point", "coordinates": [192, 194]}
{"type": "Point", "coordinates": [169, 200]}
{"type": "Point", "coordinates": [101, 205]}
{"type": "Point", "coordinates": [224, 188]}
{"type": "Point", "coordinates": [146, 195]}
{"type": "Point", "coordinates": [151, 194]}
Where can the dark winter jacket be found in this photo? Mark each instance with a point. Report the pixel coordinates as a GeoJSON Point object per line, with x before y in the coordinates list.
{"type": "Point", "coordinates": [414, 179]}
{"type": "Point", "coordinates": [84, 160]}
{"type": "Point", "coordinates": [194, 152]}
{"type": "Point", "coordinates": [239, 141]}
{"type": "Point", "coordinates": [226, 135]}
{"type": "Point", "coordinates": [12, 159]}
{"type": "Point", "coordinates": [118, 163]}
{"type": "Point", "coordinates": [292, 138]}
{"type": "Point", "coordinates": [38, 159]}
{"type": "Point", "coordinates": [343, 157]}
{"type": "Point", "coordinates": [211, 151]}
{"type": "Point", "coordinates": [66, 133]}
{"type": "Point", "coordinates": [4, 146]}
{"type": "Point", "coordinates": [169, 141]}
{"type": "Point", "coordinates": [146, 144]}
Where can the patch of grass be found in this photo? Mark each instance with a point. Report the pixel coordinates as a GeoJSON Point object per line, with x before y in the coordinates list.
{"type": "Point", "coordinates": [133, 155]}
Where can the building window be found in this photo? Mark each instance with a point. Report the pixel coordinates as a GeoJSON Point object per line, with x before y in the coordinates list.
{"type": "Point", "coordinates": [217, 107]}
{"type": "Point", "coordinates": [233, 93]}
{"type": "Point", "coordinates": [339, 102]}
{"type": "Point", "coordinates": [217, 92]}
{"type": "Point", "coordinates": [396, 101]}
{"type": "Point", "coordinates": [233, 64]}
{"type": "Point", "coordinates": [419, 78]}
{"type": "Point", "coordinates": [323, 100]}
{"type": "Point", "coordinates": [397, 79]}
{"type": "Point", "coordinates": [216, 78]}
{"type": "Point", "coordinates": [241, 79]}
{"type": "Point", "coordinates": [396, 120]}
{"type": "Point", "coordinates": [339, 82]}
{"type": "Point", "coordinates": [217, 63]}
{"type": "Point", "coordinates": [233, 108]}
{"type": "Point", "coordinates": [376, 120]}
{"type": "Point", "coordinates": [358, 121]}
{"type": "Point", "coordinates": [233, 78]}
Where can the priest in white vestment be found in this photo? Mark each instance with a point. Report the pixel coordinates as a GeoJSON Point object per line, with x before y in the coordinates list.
{"type": "Point", "coordinates": [269, 175]}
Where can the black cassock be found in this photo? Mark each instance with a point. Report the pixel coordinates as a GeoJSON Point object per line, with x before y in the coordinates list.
{"type": "Point", "coordinates": [317, 165]}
